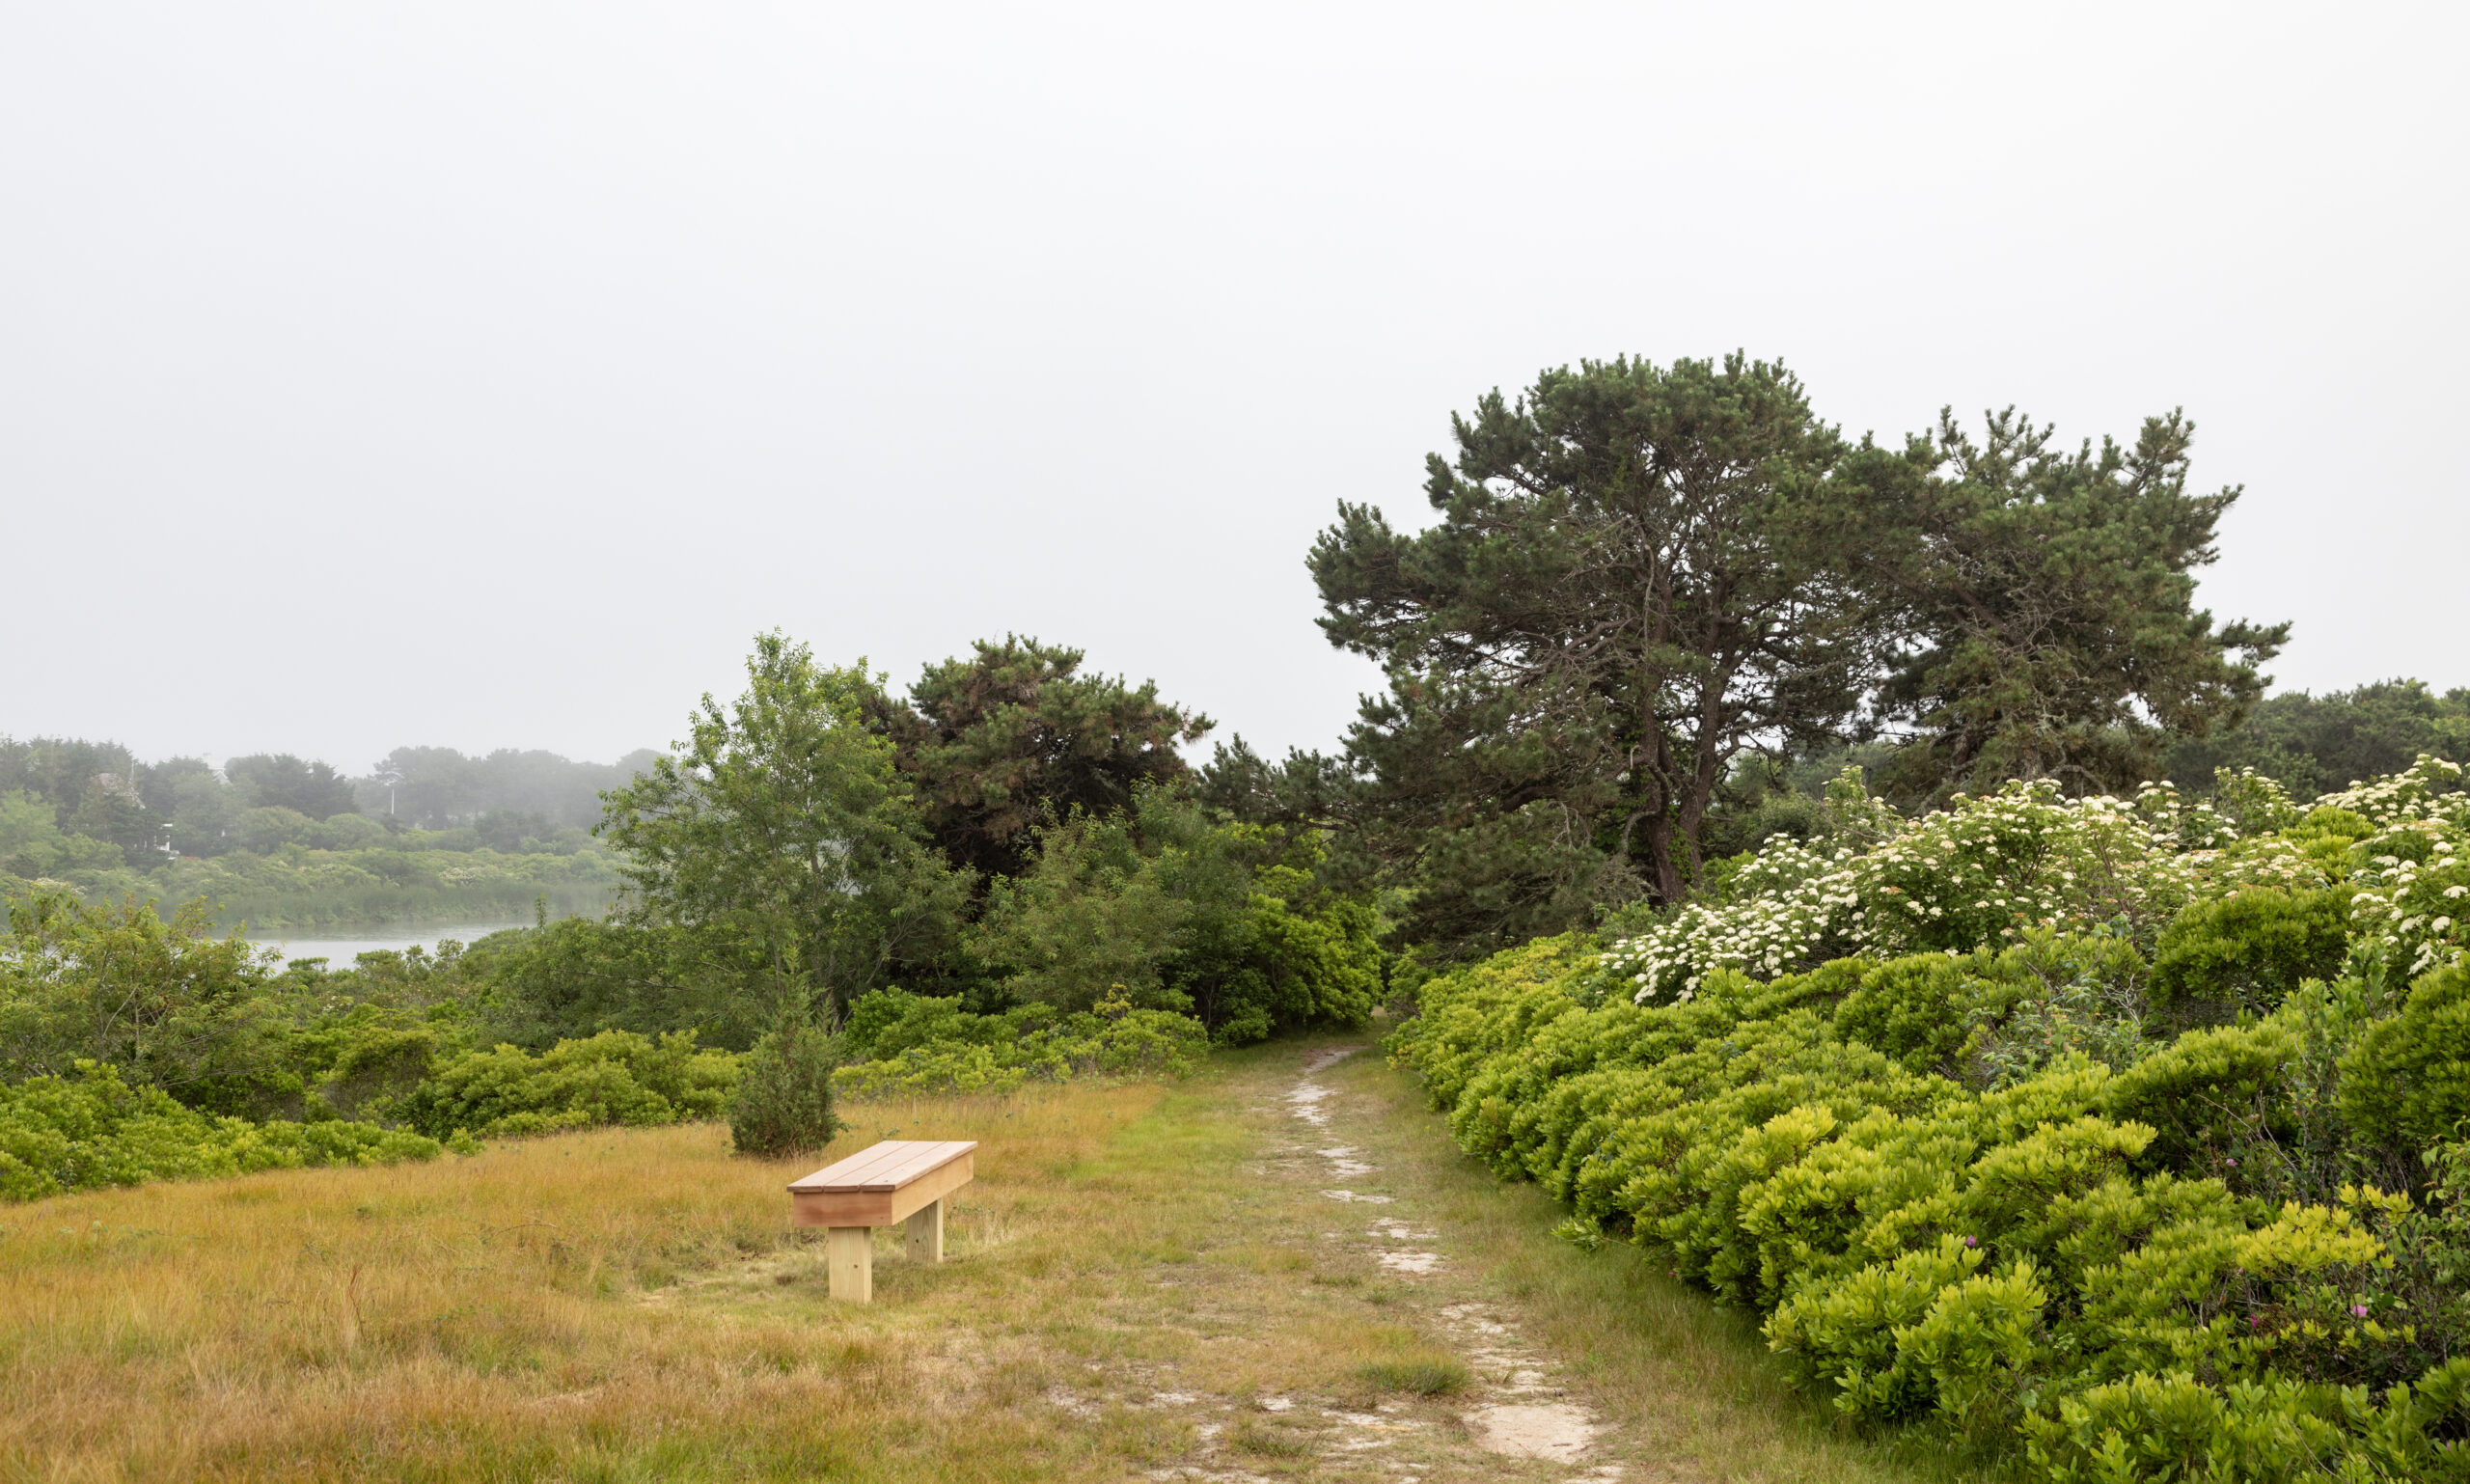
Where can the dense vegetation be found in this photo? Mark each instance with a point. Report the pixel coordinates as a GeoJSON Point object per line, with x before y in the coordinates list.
{"type": "Point", "coordinates": [285, 844]}
{"type": "Point", "coordinates": [2137, 1132]}
{"type": "Point", "coordinates": [2028, 1096]}
{"type": "Point", "coordinates": [791, 881]}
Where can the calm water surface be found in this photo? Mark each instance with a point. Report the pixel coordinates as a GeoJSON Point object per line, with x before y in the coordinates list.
{"type": "Point", "coordinates": [339, 952]}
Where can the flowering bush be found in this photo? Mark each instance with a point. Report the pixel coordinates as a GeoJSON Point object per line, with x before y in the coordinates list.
{"type": "Point", "coordinates": [2413, 880]}
{"type": "Point", "coordinates": [1925, 1104]}
{"type": "Point", "coordinates": [1984, 871]}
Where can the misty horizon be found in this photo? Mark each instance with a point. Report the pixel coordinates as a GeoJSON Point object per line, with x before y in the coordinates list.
{"type": "Point", "coordinates": [489, 376]}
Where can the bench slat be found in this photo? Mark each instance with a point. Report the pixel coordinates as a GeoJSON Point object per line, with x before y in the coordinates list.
{"type": "Point", "coordinates": [923, 1161]}
{"type": "Point", "coordinates": [851, 1173]}
{"type": "Point", "coordinates": [886, 1166]}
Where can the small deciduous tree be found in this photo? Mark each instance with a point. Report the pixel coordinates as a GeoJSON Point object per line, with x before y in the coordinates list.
{"type": "Point", "coordinates": [781, 835]}
{"type": "Point", "coordinates": [167, 1002]}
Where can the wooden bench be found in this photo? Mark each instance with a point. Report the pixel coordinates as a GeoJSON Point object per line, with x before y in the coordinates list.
{"type": "Point", "coordinates": [897, 1180]}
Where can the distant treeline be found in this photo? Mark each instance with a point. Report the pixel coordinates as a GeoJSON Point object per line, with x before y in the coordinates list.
{"type": "Point", "coordinates": [437, 787]}
{"type": "Point", "coordinates": [2323, 744]}
{"type": "Point", "coordinates": [285, 843]}
{"type": "Point", "coordinates": [99, 794]}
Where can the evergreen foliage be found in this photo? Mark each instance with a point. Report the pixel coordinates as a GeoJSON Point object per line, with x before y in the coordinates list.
{"type": "Point", "coordinates": [782, 1103]}
{"type": "Point", "coordinates": [1913, 1103]}
{"type": "Point", "coordinates": [1000, 742]}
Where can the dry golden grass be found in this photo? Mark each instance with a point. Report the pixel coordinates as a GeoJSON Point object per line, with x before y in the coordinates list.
{"type": "Point", "coordinates": [631, 1305]}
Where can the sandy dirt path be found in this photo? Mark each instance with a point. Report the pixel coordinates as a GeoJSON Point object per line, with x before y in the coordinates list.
{"type": "Point", "coordinates": [1507, 1410]}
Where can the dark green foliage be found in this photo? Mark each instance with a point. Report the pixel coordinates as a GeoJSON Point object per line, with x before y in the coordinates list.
{"type": "Point", "coordinates": [2406, 1084]}
{"type": "Point", "coordinates": [576, 976]}
{"type": "Point", "coordinates": [782, 1104]}
{"type": "Point", "coordinates": [782, 840]}
{"type": "Point", "coordinates": [1920, 1009]}
{"type": "Point", "coordinates": [2316, 744]}
{"type": "Point", "coordinates": [1166, 909]}
{"type": "Point", "coordinates": [615, 1077]}
{"type": "Point", "coordinates": [2046, 600]}
{"type": "Point", "coordinates": [1632, 580]}
{"type": "Point", "coordinates": [1014, 736]}
{"type": "Point", "coordinates": [2246, 952]}
{"type": "Point", "coordinates": [281, 781]}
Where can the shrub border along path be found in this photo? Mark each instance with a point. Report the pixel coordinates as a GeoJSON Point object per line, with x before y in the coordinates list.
{"type": "Point", "coordinates": [1684, 1388]}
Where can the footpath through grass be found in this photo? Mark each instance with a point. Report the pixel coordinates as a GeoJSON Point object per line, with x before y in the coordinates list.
{"type": "Point", "coordinates": [1142, 1282]}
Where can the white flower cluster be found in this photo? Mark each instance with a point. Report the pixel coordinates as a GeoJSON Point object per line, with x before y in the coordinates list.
{"type": "Point", "coordinates": [2414, 889]}
{"type": "Point", "coordinates": [1980, 873]}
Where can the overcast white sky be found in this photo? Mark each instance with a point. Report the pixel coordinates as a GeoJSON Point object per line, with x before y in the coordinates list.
{"type": "Point", "coordinates": [486, 374]}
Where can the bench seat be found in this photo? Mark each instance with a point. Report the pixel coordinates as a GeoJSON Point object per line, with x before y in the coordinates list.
{"type": "Point", "coordinates": [897, 1180]}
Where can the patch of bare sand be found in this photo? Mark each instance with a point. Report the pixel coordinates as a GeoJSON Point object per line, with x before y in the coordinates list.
{"type": "Point", "coordinates": [1557, 1432]}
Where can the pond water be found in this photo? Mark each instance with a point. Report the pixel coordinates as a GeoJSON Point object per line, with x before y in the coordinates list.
{"type": "Point", "coordinates": [340, 951]}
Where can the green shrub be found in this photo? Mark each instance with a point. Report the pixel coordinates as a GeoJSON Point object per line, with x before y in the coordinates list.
{"type": "Point", "coordinates": [2248, 951]}
{"type": "Point", "coordinates": [784, 1101]}
{"type": "Point", "coordinates": [918, 1043]}
{"type": "Point", "coordinates": [615, 1077]}
{"type": "Point", "coordinates": [59, 1134]}
{"type": "Point", "coordinates": [1969, 1176]}
{"type": "Point", "coordinates": [2212, 1095]}
{"type": "Point", "coordinates": [2406, 1084]}
{"type": "Point", "coordinates": [1919, 1009]}
{"type": "Point", "coordinates": [1973, 1257]}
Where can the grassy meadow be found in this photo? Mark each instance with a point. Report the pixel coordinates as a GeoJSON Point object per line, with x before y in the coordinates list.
{"type": "Point", "coordinates": [1142, 1278]}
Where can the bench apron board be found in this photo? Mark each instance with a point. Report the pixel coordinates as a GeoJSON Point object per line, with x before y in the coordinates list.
{"type": "Point", "coordinates": [899, 1180]}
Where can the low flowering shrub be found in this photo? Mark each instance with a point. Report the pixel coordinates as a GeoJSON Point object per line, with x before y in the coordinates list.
{"type": "Point", "coordinates": [1983, 872]}
{"type": "Point", "coordinates": [62, 1134]}
{"type": "Point", "coordinates": [2122, 1135]}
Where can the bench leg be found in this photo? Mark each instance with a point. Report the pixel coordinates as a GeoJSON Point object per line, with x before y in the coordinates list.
{"type": "Point", "coordinates": [850, 1252]}
{"type": "Point", "coordinates": [926, 1233]}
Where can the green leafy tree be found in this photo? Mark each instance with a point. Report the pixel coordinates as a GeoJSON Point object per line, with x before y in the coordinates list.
{"type": "Point", "coordinates": [1161, 907]}
{"type": "Point", "coordinates": [2048, 598]}
{"type": "Point", "coordinates": [995, 742]}
{"type": "Point", "coordinates": [783, 839]}
{"type": "Point", "coordinates": [281, 781]}
{"type": "Point", "coordinates": [2313, 744]}
{"type": "Point", "coordinates": [1094, 915]}
{"type": "Point", "coordinates": [205, 815]}
{"type": "Point", "coordinates": [33, 844]}
{"type": "Point", "coordinates": [576, 977]}
{"type": "Point", "coordinates": [167, 1002]}
{"type": "Point", "coordinates": [1634, 578]}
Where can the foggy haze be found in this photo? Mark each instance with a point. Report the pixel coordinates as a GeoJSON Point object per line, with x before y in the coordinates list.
{"type": "Point", "coordinates": [487, 375]}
